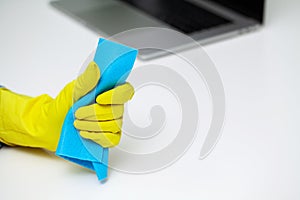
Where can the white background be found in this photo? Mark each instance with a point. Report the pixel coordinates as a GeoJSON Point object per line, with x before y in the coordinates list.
{"type": "Point", "coordinates": [257, 157]}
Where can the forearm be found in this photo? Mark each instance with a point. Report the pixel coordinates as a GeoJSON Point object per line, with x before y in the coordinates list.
{"type": "Point", "coordinates": [21, 119]}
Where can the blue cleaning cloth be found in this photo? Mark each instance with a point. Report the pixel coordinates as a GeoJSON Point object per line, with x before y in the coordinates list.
{"type": "Point", "coordinates": [115, 62]}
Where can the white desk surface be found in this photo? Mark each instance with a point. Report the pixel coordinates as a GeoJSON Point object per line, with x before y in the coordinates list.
{"type": "Point", "coordinates": [258, 156]}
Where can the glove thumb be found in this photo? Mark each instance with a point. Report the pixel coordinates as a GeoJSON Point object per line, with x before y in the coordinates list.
{"type": "Point", "coordinates": [79, 87]}
{"type": "Point", "coordinates": [86, 81]}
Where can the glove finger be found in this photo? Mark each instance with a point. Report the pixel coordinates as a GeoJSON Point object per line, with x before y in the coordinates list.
{"type": "Point", "coordinates": [118, 95]}
{"type": "Point", "coordinates": [74, 90]}
{"type": "Point", "coordinates": [106, 140]}
{"type": "Point", "coordinates": [86, 81]}
{"type": "Point", "coordinates": [96, 112]}
{"type": "Point", "coordinates": [112, 126]}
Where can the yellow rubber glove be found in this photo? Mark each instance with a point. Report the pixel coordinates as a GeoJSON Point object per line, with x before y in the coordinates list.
{"type": "Point", "coordinates": [102, 122]}
{"type": "Point", "coordinates": [37, 122]}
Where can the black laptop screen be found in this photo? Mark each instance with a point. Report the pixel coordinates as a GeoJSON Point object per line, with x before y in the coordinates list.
{"type": "Point", "coordinates": [251, 8]}
{"type": "Point", "coordinates": [188, 17]}
{"type": "Point", "coordinates": [182, 15]}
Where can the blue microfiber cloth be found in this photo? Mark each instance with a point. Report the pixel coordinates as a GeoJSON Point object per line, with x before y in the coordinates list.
{"type": "Point", "coordinates": [115, 62]}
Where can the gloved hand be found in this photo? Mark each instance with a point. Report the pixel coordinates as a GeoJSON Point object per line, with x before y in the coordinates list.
{"type": "Point", "coordinates": [102, 122]}
{"type": "Point", "coordinates": [37, 122]}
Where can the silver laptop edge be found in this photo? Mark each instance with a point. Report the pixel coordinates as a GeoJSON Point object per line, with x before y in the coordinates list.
{"type": "Point", "coordinates": [91, 12]}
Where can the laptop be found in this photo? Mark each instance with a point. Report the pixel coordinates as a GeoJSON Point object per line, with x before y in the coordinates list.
{"type": "Point", "coordinates": [205, 21]}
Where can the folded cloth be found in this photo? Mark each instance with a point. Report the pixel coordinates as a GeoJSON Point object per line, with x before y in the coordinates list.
{"type": "Point", "coordinates": [115, 62]}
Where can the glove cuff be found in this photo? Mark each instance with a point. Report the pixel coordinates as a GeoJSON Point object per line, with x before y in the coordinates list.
{"type": "Point", "coordinates": [24, 120]}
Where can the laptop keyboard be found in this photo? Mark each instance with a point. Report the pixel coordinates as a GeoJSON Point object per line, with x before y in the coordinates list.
{"type": "Point", "coordinates": [182, 15]}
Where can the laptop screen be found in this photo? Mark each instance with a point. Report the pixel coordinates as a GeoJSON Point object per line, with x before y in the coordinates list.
{"type": "Point", "coordinates": [189, 18]}
{"type": "Point", "coordinates": [183, 15]}
{"type": "Point", "coordinates": [251, 8]}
